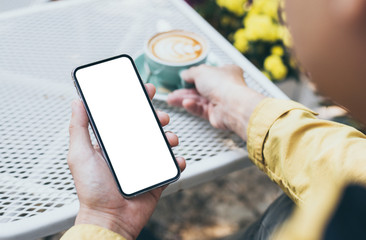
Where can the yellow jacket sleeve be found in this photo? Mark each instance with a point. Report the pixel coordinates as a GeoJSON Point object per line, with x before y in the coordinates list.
{"type": "Point", "coordinates": [90, 232]}
{"type": "Point", "coordinates": [312, 160]}
{"type": "Point", "coordinates": [297, 150]}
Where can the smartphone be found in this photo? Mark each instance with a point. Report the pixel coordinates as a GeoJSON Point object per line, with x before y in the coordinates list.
{"type": "Point", "coordinates": [125, 125]}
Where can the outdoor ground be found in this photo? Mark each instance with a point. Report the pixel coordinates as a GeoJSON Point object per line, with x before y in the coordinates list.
{"type": "Point", "coordinates": [212, 210]}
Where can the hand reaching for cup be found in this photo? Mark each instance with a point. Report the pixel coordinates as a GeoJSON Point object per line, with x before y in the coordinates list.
{"type": "Point", "coordinates": [221, 96]}
{"type": "Point", "coordinates": [100, 201]}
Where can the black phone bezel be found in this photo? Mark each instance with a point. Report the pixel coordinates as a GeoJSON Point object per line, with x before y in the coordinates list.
{"type": "Point", "coordinates": [99, 140]}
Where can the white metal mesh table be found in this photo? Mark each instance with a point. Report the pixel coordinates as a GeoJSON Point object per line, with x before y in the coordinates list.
{"type": "Point", "coordinates": [39, 47]}
{"type": "Point", "coordinates": [6, 5]}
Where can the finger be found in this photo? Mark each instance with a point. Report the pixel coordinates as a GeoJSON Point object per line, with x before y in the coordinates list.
{"type": "Point", "coordinates": [185, 91]}
{"type": "Point", "coordinates": [163, 117]}
{"type": "Point", "coordinates": [157, 192]}
{"type": "Point", "coordinates": [195, 108]}
{"type": "Point", "coordinates": [182, 166]}
{"type": "Point", "coordinates": [175, 98]}
{"type": "Point", "coordinates": [151, 90]}
{"type": "Point", "coordinates": [172, 138]}
{"type": "Point", "coordinates": [181, 163]}
{"type": "Point", "coordinates": [233, 68]}
{"type": "Point", "coordinates": [187, 75]}
{"type": "Point", "coordinates": [190, 74]}
{"type": "Point", "coordinates": [78, 129]}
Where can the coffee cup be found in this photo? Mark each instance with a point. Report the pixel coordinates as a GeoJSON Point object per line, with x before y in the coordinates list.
{"type": "Point", "coordinates": [167, 54]}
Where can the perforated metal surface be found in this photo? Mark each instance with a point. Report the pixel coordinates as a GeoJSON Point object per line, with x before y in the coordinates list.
{"type": "Point", "coordinates": [39, 48]}
{"type": "Point", "coordinates": [34, 118]}
{"type": "Point", "coordinates": [6, 5]}
{"type": "Point", "coordinates": [197, 139]}
{"type": "Point", "coordinates": [34, 176]}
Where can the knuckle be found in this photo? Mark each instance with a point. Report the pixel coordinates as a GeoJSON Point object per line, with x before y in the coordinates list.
{"type": "Point", "coordinates": [71, 127]}
{"type": "Point", "coordinates": [70, 159]}
{"type": "Point", "coordinates": [237, 68]}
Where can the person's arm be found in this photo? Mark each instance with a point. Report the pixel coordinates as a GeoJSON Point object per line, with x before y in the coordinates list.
{"type": "Point", "coordinates": [284, 138]}
{"type": "Point", "coordinates": [220, 96]}
{"type": "Point", "coordinates": [298, 151]}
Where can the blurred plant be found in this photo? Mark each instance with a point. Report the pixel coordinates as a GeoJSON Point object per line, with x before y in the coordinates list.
{"type": "Point", "coordinates": [256, 30]}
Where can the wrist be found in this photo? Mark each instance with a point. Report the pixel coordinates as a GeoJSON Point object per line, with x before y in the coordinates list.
{"type": "Point", "coordinates": [103, 219]}
{"type": "Point", "coordinates": [240, 106]}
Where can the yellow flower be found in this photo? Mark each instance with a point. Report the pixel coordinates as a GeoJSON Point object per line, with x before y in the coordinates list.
{"type": "Point", "coordinates": [275, 66]}
{"type": "Point", "coordinates": [235, 6]}
{"type": "Point", "coordinates": [240, 40]}
{"type": "Point", "coordinates": [260, 27]}
{"type": "Point", "coordinates": [277, 50]}
{"type": "Point", "coordinates": [282, 12]}
{"type": "Point", "coordinates": [285, 35]}
{"type": "Point", "coordinates": [266, 7]}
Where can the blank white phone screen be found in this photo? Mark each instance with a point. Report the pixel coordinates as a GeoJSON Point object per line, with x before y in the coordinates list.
{"type": "Point", "coordinates": [126, 124]}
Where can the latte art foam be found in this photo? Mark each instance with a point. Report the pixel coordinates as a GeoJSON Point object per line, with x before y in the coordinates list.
{"type": "Point", "coordinates": [176, 47]}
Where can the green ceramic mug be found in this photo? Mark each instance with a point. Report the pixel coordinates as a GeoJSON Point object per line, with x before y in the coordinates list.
{"type": "Point", "coordinates": [167, 54]}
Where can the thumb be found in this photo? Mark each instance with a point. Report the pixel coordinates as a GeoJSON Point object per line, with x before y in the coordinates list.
{"type": "Point", "coordinates": [188, 75]}
{"type": "Point", "coordinates": [78, 129]}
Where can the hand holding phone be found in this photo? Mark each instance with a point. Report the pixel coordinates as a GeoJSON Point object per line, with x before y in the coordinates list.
{"type": "Point", "coordinates": [100, 201]}
{"type": "Point", "coordinates": [136, 149]}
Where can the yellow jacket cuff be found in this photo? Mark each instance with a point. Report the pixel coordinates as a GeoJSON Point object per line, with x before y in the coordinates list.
{"type": "Point", "coordinates": [90, 232]}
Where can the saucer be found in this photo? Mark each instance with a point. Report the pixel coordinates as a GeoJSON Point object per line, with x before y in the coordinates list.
{"type": "Point", "coordinates": [146, 77]}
